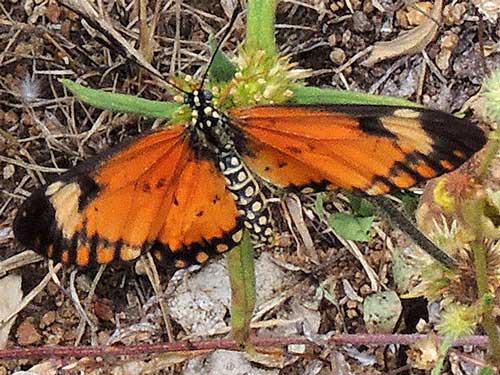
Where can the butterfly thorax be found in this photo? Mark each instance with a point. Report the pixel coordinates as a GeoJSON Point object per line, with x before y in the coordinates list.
{"type": "Point", "coordinates": [214, 137]}
{"type": "Point", "coordinates": [210, 131]}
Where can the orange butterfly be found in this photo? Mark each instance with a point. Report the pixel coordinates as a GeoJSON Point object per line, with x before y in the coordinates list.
{"type": "Point", "coordinates": [185, 192]}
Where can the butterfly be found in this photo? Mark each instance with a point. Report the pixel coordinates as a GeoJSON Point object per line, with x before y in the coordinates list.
{"type": "Point", "coordinates": [185, 192]}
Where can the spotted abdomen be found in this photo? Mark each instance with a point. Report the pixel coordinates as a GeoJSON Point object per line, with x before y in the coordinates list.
{"type": "Point", "coordinates": [246, 192]}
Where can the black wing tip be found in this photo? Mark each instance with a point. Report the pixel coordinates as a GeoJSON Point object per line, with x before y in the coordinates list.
{"type": "Point", "coordinates": [451, 131]}
{"type": "Point", "coordinates": [34, 220]}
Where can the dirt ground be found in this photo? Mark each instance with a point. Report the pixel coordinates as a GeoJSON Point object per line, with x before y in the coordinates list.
{"type": "Point", "coordinates": [44, 131]}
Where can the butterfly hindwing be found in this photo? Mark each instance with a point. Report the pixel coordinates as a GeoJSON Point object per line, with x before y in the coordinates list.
{"type": "Point", "coordinates": [371, 148]}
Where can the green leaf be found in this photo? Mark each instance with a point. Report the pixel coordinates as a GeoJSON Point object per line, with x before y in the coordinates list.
{"type": "Point", "coordinates": [121, 102]}
{"type": "Point", "coordinates": [486, 371]}
{"type": "Point", "coordinates": [240, 265]}
{"type": "Point", "coordinates": [410, 201]}
{"type": "Point", "coordinates": [318, 204]}
{"type": "Point", "coordinates": [381, 311]}
{"type": "Point", "coordinates": [351, 227]}
{"type": "Point", "coordinates": [361, 206]}
{"type": "Point", "coordinates": [222, 69]}
{"type": "Point", "coordinates": [315, 95]}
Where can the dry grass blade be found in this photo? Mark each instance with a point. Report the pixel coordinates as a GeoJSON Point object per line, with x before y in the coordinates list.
{"type": "Point", "coordinates": [294, 208]}
{"type": "Point", "coordinates": [33, 167]}
{"type": "Point", "coordinates": [19, 260]}
{"type": "Point", "coordinates": [410, 42]}
{"type": "Point", "coordinates": [154, 279]}
{"type": "Point", "coordinates": [86, 10]}
{"type": "Point", "coordinates": [354, 249]}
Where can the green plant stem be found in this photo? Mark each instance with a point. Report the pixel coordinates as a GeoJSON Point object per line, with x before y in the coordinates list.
{"type": "Point", "coordinates": [489, 325]}
{"type": "Point", "coordinates": [260, 26]}
{"type": "Point", "coordinates": [491, 150]}
{"type": "Point", "coordinates": [480, 252]}
{"type": "Point", "coordinates": [240, 264]}
{"type": "Point", "coordinates": [474, 213]}
{"type": "Point", "coordinates": [443, 350]}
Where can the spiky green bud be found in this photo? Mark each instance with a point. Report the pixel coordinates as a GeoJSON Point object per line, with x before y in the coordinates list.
{"type": "Point", "coordinates": [459, 320]}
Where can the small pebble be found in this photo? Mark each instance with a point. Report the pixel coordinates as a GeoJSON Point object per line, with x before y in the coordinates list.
{"type": "Point", "coordinates": [401, 19]}
{"type": "Point", "coordinates": [356, 4]}
{"type": "Point", "coordinates": [365, 290]}
{"type": "Point", "coordinates": [337, 56]}
{"type": "Point", "coordinates": [418, 13]}
{"type": "Point", "coordinates": [332, 40]}
{"type": "Point", "coordinates": [47, 319]}
{"type": "Point", "coordinates": [27, 334]}
{"type": "Point", "coordinates": [351, 304]}
{"type": "Point", "coordinates": [53, 12]}
{"type": "Point", "coordinates": [351, 314]}
{"type": "Point", "coordinates": [368, 7]}
{"type": "Point", "coordinates": [52, 289]}
{"type": "Point", "coordinates": [10, 118]}
{"type": "Point", "coordinates": [346, 37]}
{"type": "Point", "coordinates": [8, 171]}
{"type": "Point", "coordinates": [453, 14]}
{"type": "Point", "coordinates": [449, 40]}
{"type": "Point", "coordinates": [103, 309]}
{"type": "Point", "coordinates": [443, 59]}
{"type": "Point", "coordinates": [361, 23]}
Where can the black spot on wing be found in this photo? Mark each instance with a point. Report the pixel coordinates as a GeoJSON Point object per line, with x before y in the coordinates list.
{"type": "Point", "coordinates": [161, 183]}
{"type": "Point", "coordinates": [72, 246]}
{"type": "Point", "coordinates": [118, 246]}
{"type": "Point", "coordinates": [294, 149]}
{"type": "Point", "coordinates": [374, 126]}
{"type": "Point", "coordinates": [58, 245]}
{"type": "Point", "coordinates": [94, 240]}
{"type": "Point", "coordinates": [89, 190]}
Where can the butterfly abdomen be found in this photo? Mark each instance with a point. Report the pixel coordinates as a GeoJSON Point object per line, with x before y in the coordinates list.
{"type": "Point", "coordinates": [249, 199]}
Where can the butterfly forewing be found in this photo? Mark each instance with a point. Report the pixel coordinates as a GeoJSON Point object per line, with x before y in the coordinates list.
{"type": "Point", "coordinates": [375, 149]}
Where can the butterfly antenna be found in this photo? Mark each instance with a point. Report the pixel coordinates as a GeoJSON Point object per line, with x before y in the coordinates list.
{"type": "Point", "coordinates": [234, 16]}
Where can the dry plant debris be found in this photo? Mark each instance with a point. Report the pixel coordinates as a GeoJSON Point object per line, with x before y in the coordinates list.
{"type": "Point", "coordinates": [10, 297]}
